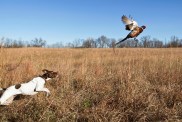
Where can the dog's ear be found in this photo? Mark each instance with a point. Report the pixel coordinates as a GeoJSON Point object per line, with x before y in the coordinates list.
{"type": "Point", "coordinates": [45, 70]}
{"type": "Point", "coordinates": [55, 73]}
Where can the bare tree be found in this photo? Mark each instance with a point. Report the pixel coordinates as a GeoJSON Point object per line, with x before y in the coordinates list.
{"type": "Point", "coordinates": [112, 42]}
{"type": "Point", "coordinates": [174, 42]}
{"type": "Point", "coordinates": [77, 42]}
{"type": "Point", "coordinates": [38, 42]}
{"type": "Point", "coordinates": [157, 43]}
{"type": "Point", "coordinates": [102, 41]}
{"type": "Point", "coordinates": [145, 41]}
{"type": "Point", "coordinates": [89, 43]}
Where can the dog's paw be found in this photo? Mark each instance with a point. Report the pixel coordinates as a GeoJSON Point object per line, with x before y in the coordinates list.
{"type": "Point", "coordinates": [48, 94]}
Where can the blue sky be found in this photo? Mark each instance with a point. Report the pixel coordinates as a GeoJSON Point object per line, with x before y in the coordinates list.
{"type": "Point", "coordinates": [68, 20]}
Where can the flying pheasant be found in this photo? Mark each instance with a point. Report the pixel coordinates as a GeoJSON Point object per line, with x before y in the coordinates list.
{"type": "Point", "coordinates": [132, 26]}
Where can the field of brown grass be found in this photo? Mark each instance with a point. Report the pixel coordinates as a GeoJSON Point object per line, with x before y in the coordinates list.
{"type": "Point", "coordinates": [96, 84]}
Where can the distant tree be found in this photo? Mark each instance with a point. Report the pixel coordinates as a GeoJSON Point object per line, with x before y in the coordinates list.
{"type": "Point", "coordinates": [38, 42]}
{"type": "Point", "coordinates": [89, 43]}
{"type": "Point", "coordinates": [77, 42]}
{"type": "Point", "coordinates": [14, 44]}
{"type": "Point", "coordinates": [145, 41]}
{"type": "Point", "coordinates": [180, 43]}
{"type": "Point", "coordinates": [102, 41]}
{"type": "Point", "coordinates": [69, 45]}
{"type": "Point", "coordinates": [8, 43]}
{"type": "Point", "coordinates": [131, 43]}
{"type": "Point", "coordinates": [157, 43]}
{"type": "Point", "coordinates": [112, 42]}
{"type": "Point", "coordinates": [174, 42]}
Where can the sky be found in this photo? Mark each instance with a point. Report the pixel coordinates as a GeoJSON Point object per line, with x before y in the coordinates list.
{"type": "Point", "coordinates": [68, 20]}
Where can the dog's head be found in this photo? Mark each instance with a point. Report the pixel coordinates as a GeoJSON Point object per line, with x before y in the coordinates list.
{"type": "Point", "coordinates": [49, 74]}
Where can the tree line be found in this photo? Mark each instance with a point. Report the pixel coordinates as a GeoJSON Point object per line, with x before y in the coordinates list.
{"type": "Point", "coordinates": [100, 42]}
{"type": "Point", "coordinates": [13, 43]}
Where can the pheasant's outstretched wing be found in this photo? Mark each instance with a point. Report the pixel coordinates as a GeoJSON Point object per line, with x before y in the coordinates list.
{"type": "Point", "coordinates": [126, 20]}
{"type": "Point", "coordinates": [130, 23]}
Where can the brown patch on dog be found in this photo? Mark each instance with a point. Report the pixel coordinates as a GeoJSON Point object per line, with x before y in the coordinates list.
{"type": "Point", "coordinates": [48, 74]}
{"type": "Point", "coordinates": [17, 86]}
{"type": "Point", "coordinates": [45, 70]}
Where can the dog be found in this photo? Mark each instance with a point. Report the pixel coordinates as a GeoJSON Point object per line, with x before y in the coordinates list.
{"type": "Point", "coordinates": [30, 88]}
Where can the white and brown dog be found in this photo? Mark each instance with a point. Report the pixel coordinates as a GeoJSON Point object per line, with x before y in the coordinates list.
{"type": "Point", "coordinates": [31, 88]}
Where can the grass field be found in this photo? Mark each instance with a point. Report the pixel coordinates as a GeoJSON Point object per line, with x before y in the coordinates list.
{"type": "Point", "coordinates": [96, 84]}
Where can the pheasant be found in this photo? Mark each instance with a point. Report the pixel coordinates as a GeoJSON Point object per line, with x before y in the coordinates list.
{"type": "Point", "coordinates": [132, 26]}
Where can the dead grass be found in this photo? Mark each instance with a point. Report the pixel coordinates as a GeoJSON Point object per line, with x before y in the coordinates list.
{"type": "Point", "coordinates": [96, 84]}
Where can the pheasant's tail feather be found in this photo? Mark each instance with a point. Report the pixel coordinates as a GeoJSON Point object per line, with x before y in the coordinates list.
{"type": "Point", "coordinates": [121, 41]}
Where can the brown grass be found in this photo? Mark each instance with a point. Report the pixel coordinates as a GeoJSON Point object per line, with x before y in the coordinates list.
{"type": "Point", "coordinates": [96, 84]}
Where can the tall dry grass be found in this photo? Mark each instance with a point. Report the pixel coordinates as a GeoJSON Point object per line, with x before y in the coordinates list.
{"type": "Point", "coordinates": [96, 84]}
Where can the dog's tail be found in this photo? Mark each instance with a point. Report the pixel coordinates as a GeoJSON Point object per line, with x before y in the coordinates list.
{"type": "Point", "coordinates": [1, 92]}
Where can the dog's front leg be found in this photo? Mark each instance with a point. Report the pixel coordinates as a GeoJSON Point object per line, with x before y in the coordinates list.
{"type": "Point", "coordinates": [45, 90]}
